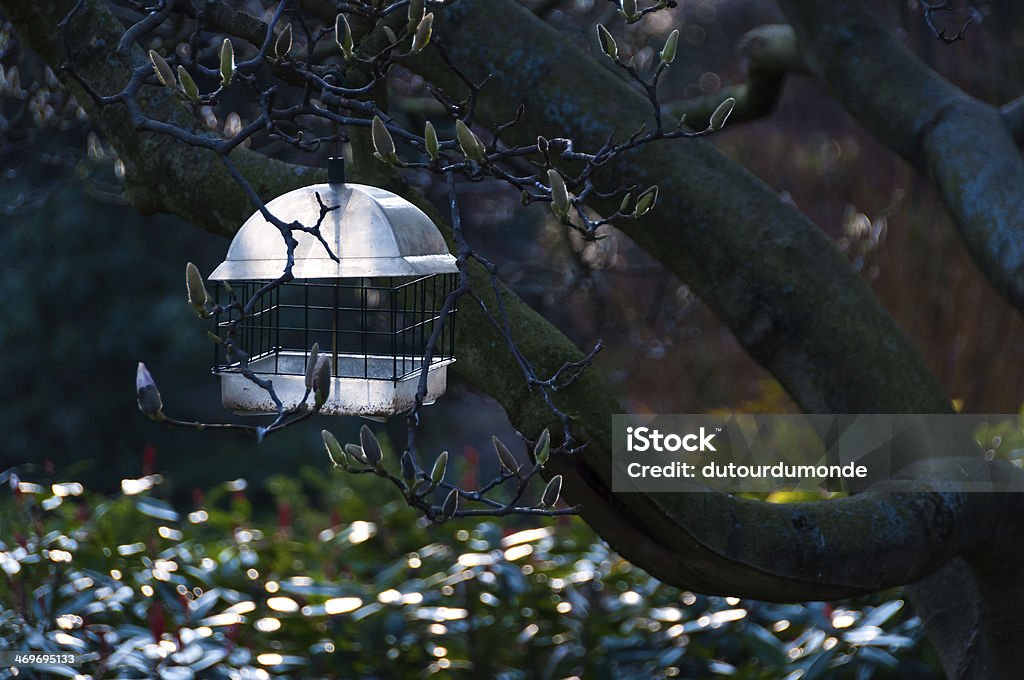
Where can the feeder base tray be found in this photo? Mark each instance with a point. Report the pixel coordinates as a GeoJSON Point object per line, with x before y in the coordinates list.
{"type": "Point", "coordinates": [375, 396]}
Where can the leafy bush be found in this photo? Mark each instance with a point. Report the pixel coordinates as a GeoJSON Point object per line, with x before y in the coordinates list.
{"type": "Point", "coordinates": [334, 582]}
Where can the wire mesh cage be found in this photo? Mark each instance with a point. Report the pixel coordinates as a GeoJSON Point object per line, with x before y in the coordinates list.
{"type": "Point", "coordinates": [371, 330]}
{"type": "Point", "coordinates": [373, 311]}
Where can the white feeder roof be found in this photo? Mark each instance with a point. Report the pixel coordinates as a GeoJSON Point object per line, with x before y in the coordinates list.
{"type": "Point", "coordinates": [373, 232]}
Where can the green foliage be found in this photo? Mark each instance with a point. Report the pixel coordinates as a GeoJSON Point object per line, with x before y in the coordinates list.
{"type": "Point", "coordinates": [339, 584]}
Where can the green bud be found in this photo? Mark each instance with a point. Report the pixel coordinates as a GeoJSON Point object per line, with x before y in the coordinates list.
{"type": "Point", "coordinates": [356, 452]}
{"type": "Point", "coordinates": [543, 448]}
{"type": "Point", "coordinates": [721, 114]}
{"type": "Point", "coordinates": [646, 201]}
{"type": "Point", "coordinates": [284, 42]}
{"type": "Point", "coordinates": [147, 394]}
{"type": "Point", "coordinates": [322, 381]}
{"type": "Point", "coordinates": [624, 206]}
{"type": "Point", "coordinates": [227, 62]}
{"type": "Point", "coordinates": [382, 141]}
{"type": "Point", "coordinates": [542, 144]}
{"type": "Point", "coordinates": [334, 450]}
{"type": "Point", "coordinates": [559, 195]}
{"type": "Point", "coordinates": [423, 32]}
{"type": "Point", "coordinates": [163, 71]}
{"type": "Point", "coordinates": [416, 10]}
{"type": "Point", "coordinates": [197, 295]}
{"type": "Point", "coordinates": [314, 352]}
{"type": "Point", "coordinates": [668, 52]}
{"type": "Point", "coordinates": [508, 461]}
{"type": "Point", "coordinates": [450, 505]}
{"type": "Point", "coordinates": [608, 44]}
{"type": "Point", "coordinates": [551, 492]}
{"type": "Point", "coordinates": [471, 145]}
{"type": "Point", "coordinates": [371, 447]}
{"type": "Point", "coordinates": [629, 10]}
{"type": "Point", "coordinates": [433, 147]}
{"type": "Point", "coordinates": [440, 465]}
{"type": "Point", "coordinates": [343, 36]}
{"type": "Point", "coordinates": [408, 466]}
{"type": "Point", "coordinates": [188, 86]}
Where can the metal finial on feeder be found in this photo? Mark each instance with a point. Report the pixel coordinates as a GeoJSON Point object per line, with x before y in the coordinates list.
{"type": "Point", "coordinates": [336, 170]}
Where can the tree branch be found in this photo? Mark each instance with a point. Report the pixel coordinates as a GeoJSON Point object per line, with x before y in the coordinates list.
{"type": "Point", "coordinates": [960, 143]}
{"type": "Point", "coordinates": [771, 54]}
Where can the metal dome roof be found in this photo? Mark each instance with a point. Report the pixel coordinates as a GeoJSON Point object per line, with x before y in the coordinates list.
{"type": "Point", "coordinates": [373, 232]}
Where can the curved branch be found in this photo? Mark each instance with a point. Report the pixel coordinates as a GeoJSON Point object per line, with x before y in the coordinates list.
{"type": "Point", "coordinates": [771, 54]}
{"type": "Point", "coordinates": [959, 142]}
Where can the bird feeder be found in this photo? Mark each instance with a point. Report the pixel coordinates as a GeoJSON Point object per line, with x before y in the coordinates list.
{"type": "Point", "coordinates": [372, 312]}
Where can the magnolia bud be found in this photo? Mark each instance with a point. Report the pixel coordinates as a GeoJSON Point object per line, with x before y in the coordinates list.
{"type": "Point", "coordinates": [608, 44]}
{"type": "Point", "coordinates": [322, 381]}
{"type": "Point", "coordinates": [451, 505]}
{"type": "Point", "coordinates": [508, 461]}
{"type": "Point", "coordinates": [163, 71]}
{"type": "Point", "coordinates": [440, 465]}
{"type": "Point", "coordinates": [334, 450]}
{"type": "Point", "coordinates": [382, 141]}
{"type": "Point", "coordinates": [147, 394]}
{"type": "Point", "coordinates": [646, 201]}
{"type": "Point", "coordinates": [227, 62]}
{"type": "Point", "coordinates": [343, 36]}
{"type": "Point", "coordinates": [284, 42]}
{"type": "Point", "coordinates": [416, 10]}
{"type": "Point", "coordinates": [629, 10]}
{"type": "Point", "coordinates": [721, 114]}
{"type": "Point", "coordinates": [390, 35]}
{"type": "Point", "coordinates": [470, 143]}
{"type": "Point", "coordinates": [668, 52]}
{"type": "Point", "coordinates": [433, 147]}
{"type": "Point", "coordinates": [188, 86]}
{"type": "Point", "coordinates": [355, 452]}
{"type": "Point", "coordinates": [314, 352]}
{"type": "Point", "coordinates": [197, 295]}
{"type": "Point", "coordinates": [423, 33]}
{"type": "Point", "coordinates": [543, 448]}
{"type": "Point", "coordinates": [408, 466]}
{"type": "Point", "coordinates": [624, 206]}
{"type": "Point", "coordinates": [371, 447]}
{"type": "Point", "coordinates": [551, 492]}
{"type": "Point", "coordinates": [559, 194]}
